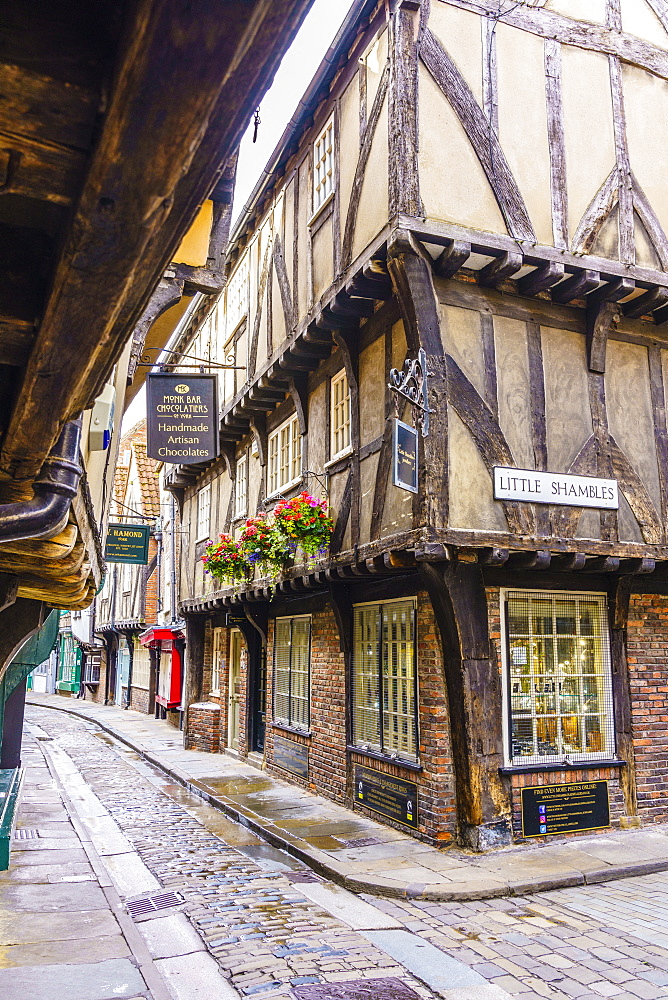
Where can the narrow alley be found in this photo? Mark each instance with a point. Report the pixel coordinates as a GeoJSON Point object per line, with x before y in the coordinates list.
{"type": "Point", "coordinates": [102, 832]}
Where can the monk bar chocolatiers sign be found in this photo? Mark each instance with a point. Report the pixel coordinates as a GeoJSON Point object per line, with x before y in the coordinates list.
{"type": "Point", "coordinates": [572, 808]}
{"type": "Point", "coordinates": [555, 487]}
{"type": "Point", "coordinates": [127, 543]}
{"type": "Point", "coordinates": [182, 418]}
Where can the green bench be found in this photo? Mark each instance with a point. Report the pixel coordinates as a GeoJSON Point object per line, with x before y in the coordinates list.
{"type": "Point", "coordinates": [11, 782]}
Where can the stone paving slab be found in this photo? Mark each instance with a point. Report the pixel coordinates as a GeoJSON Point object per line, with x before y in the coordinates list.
{"type": "Point", "coordinates": [114, 978]}
{"type": "Point", "coordinates": [308, 827]}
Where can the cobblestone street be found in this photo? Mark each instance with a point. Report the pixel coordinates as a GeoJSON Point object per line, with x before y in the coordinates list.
{"type": "Point", "coordinates": [275, 929]}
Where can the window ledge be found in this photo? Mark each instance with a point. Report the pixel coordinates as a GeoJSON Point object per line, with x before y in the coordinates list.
{"type": "Point", "coordinates": [337, 458]}
{"type": "Point", "coordinates": [278, 492]}
{"type": "Point", "coordinates": [291, 729]}
{"type": "Point", "coordinates": [574, 765]}
{"type": "Point", "coordinates": [385, 758]}
{"type": "Point", "coordinates": [321, 208]}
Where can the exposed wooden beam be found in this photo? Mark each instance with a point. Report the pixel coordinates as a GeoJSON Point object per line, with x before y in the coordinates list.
{"type": "Point", "coordinates": [575, 286]}
{"type": "Point", "coordinates": [501, 267]}
{"type": "Point", "coordinates": [186, 82]}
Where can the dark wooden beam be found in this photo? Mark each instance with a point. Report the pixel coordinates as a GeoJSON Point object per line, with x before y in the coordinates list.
{"type": "Point", "coordinates": [600, 319]}
{"type": "Point", "coordinates": [645, 303]}
{"type": "Point", "coordinates": [452, 258]}
{"type": "Point", "coordinates": [501, 267]}
{"type": "Point", "coordinates": [185, 84]}
{"type": "Point", "coordinates": [575, 286]}
{"type": "Point", "coordinates": [540, 279]}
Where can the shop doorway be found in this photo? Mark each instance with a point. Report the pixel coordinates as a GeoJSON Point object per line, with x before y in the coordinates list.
{"type": "Point", "coordinates": [234, 689]}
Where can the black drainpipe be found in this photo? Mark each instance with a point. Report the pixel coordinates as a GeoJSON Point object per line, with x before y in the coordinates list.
{"type": "Point", "coordinates": [54, 488]}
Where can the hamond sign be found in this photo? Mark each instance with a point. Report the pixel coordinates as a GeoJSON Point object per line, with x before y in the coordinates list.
{"type": "Point", "coordinates": [127, 543]}
{"type": "Point", "coordinates": [182, 418]}
{"type": "Point", "coordinates": [555, 488]}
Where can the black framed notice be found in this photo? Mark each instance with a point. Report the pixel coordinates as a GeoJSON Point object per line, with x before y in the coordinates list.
{"type": "Point", "coordinates": [182, 418]}
{"type": "Point", "coordinates": [571, 808]}
{"type": "Point", "coordinates": [405, 456]}
{"type": "Point", "coordinates": [388, 795]}
{"type": "Point", "coordinates": [292, 757]}
{"type": "Point", "coordinates": [127, 543]}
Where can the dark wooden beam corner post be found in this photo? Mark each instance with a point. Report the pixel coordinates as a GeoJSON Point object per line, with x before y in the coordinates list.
{"type": "Point", "coordinates": [618, 613]}
{"type": "Point", "coordinates": [457, 594]}
{"type": "Point", "coordinates": [411, 274]}
{"type": "Point", "coordinates": [194, 662]}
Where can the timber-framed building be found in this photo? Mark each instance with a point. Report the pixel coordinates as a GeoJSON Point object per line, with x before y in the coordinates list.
{"type": "Point", "coordinates": [487, 187]}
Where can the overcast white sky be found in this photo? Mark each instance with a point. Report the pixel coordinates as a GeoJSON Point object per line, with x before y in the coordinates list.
{"type": "Point", "coordinates": [293, 77]}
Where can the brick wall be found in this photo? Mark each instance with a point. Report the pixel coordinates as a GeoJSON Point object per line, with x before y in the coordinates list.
{"type": "Point", "coordinates": [647, 653]}
{"type": "Point", "coordinates": [330, 773]}
{"type": "Point", "coordinates": [203, 730]}
{"type": "Point", "coordinates": [139, 700]}
{"type": "Point", "coordinates": [150, 609]}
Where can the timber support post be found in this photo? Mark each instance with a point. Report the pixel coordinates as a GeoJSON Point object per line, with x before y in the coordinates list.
{"type": "Point", "coordinates": [458, 598]}
{"type": "Point", "coordinates": [194, 663]}
{"type": "Point", "coordinates": [618, 611]}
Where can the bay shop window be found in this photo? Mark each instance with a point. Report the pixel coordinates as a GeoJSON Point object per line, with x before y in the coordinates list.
{"type": "Point", "coordinates": [384, 693]}
{"type": "Point", "coordinates": [558, 677]}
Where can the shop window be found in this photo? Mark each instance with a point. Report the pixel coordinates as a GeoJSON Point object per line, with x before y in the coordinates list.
{"type": "Point", "coordinates": [558, 677]}
{"type": "Point", "coordinates": [384, 679]}
{"type": "Point", "coordinates": [141, 667]}
{"type": "Point", "coordinates": [323, 166]}
{"type": "Point", "coordinates": [285, 456]}
{"type": "Point", "coordinates": [203, 512]}
{"type": "Point", "coordinates": [339, 415]}
{"type": "Point", "coordinates": [241, 496]}
{"type": "Point", "coordinates": [292, 656]}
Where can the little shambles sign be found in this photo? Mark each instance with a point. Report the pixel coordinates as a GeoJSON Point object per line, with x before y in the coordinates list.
{"type": "Point", "coordinates": [182, 418]}
{"type": "Point", "coordinates": [555, 487]}
{"type": "Point", "coordinates": [127, 543]}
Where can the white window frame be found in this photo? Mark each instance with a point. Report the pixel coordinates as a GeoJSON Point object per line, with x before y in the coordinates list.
{"type": "Point", "coordinates": [336, 406]}
{"type": "Point", "coordinates": [294, 700]}
{"type": "Point", "coordinates": [284, 446]}
{"type": "Point", "coordinates": [237, 295]}
{"type": "Point", "coordinates": [608, 751]}
{"type": "Point", "coordinates": [323, 168]}
{"type": "Point", "coordinates": [203, 528]}
{"type": "Point", "coordinates": [381, 749]}
{"type": "Point", "coordinates": [241, 487]}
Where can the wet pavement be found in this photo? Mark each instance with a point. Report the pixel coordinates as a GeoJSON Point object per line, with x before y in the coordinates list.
{"type": "Point", "coordinates": [355, 851]}
{"type": "Point", "coordinates": [248, 920]}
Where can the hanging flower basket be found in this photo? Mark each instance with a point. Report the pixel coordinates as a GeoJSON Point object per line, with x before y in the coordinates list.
{"type": "Point", "coordinates": [264, 546]}
{"type": "Point", "coordinates": [225, 560]}
{"type": "Point", "coordinates": [304, 521]}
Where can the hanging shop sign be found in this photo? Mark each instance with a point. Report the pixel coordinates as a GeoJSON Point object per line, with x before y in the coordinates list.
{"type": "Point", "coordinates": [127, 543]}
{"type": "Point", "coordinates": [556, 488]}
{"type": "Point", "coordinates": [182, 418]}
{"type": "Point", "coordinates": [388, 795]}
{"type": "Point", "coordinates": [405, 456]}
{"type": "Point", "coordinates": [572, 808]}
{"type": "Point", "coordinates": [292, 757]}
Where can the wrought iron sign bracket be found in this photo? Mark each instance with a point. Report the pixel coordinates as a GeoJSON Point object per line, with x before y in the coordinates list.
{"type": "Point", "coordinates": [411, 383]}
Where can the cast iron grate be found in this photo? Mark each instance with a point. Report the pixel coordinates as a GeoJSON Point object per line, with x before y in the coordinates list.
{"type": "Point", "coordinates": [26, 834]}
{"type": "Point", "coordinates": [304, 876]}
{"type": "Point", "coordinates": [149, 904]}
{"type": "Point", "coordinates": [359, 989]}
{"type": "Point", "coordinates": [364, 842]}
